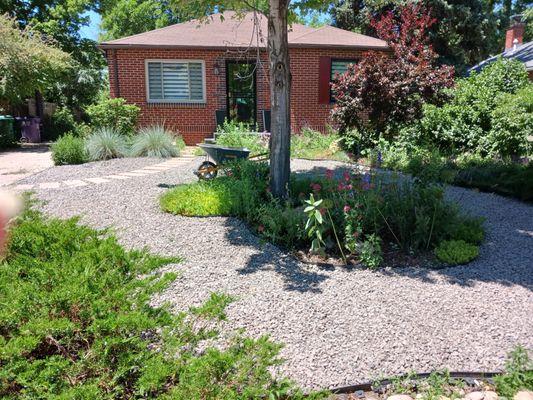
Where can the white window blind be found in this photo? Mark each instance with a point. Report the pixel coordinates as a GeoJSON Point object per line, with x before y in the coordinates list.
{"type": "Point", "coordinates": [340, 67]}
{"type": "Point", "coordinates": [176, 81]}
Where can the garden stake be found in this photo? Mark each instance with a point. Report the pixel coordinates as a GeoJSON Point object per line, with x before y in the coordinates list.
{"type": "Point", "coordinates": [336, 237]}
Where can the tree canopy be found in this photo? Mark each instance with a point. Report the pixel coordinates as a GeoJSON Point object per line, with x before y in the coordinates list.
{"type": "Point", "coordinates": [466, 32]}
{"type": "Point", "coordinates": [28, 62]}
{"type": "Point", "coordinates": [61, 21]}
{"type": "Point", "coordinates": [129, 17]}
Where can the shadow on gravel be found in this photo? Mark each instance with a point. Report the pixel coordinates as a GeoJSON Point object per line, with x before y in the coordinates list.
{"type": "Point", "coordinates": [497, 263]}
{"type": "Point", "coordinates": [469, 275]}
{"type": "Point", "coordinates": [268, 257]}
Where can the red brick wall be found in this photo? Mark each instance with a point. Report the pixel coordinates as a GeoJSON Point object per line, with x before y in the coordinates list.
{"type": "Point", "coordinates": [197, 121]}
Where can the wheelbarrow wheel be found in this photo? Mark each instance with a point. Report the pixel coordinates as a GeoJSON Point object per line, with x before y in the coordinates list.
{"type": "Point", "coordinates": [207, 171]}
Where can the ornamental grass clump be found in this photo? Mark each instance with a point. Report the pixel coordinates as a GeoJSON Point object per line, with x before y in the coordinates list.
{"type": "Point", "coordinates": [106, 143]}
{"type": "Point", "coordinates": [154, 141]}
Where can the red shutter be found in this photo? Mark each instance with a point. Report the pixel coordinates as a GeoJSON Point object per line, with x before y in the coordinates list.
{"type": "Point", "coordinates": [324, 75]}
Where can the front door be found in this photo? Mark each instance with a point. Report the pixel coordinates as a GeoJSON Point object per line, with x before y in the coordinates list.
{"type": "Point", "coordinates": [241, 91]}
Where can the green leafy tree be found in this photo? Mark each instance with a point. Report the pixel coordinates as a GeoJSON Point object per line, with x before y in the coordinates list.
{"type": "Point", "coordinates": [62, 20]}
{"type": "Point", "coordinates": [129, 17]}
{"type": "Point", "coordinates": [28, 62]}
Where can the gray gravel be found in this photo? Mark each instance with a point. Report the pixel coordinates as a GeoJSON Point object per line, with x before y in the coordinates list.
{"type": "Point", "coordinates": [90, 170]}
{"type": "Point", "coordinates": [340, 326]}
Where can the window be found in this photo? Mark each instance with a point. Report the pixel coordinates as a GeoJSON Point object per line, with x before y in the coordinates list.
{"type": "Point", "coordinates": [338, 67]}
{"type": "Point", "coordinates": [175, 81]}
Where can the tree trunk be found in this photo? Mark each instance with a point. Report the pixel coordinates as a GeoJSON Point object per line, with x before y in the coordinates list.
{"type": "Point", "coordinates": [280, 85]}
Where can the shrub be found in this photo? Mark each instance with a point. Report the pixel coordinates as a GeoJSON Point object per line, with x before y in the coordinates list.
{"type": "Point", "coordinates": [106, 143]}
{"type": "Point", "coordinates": [281, 224]}
{"type": "Point", "coordinates": [312, 144]}
{"type": "Point", "coordinates": [154, 141]}
{"type": "Point", "coordinates": [508, 179]}
{"type": "Point", "coordinates": [478, 102]}
{"type": "Point", "coordinates": [114, 113]}
{"type": "Point", "coordinates": [454, 252]}
{"type": "Point", "coordinates": [511, 123]}
{"type": "Point", "coordinates": [469, 230]}
{"type": "Point", "coordinates": [413, 217]}
{"type": "Point", "coordinates": [78, 325]}
{"type": "Point", "coordinates": [62, 121]}
{"type": "Point", "coordinates": [391, 88]}
{"type": "Point", "coordinates": [180, 143]}
{"type": "Point", "coordinates": [239, 134]}
{"type": "Point", "coordinates": [467, 170]}
{"type": "Point", "coordinates": [7, 135]}
{"type": "Point", "coordinates": [370, 252]}
{"type": "Point", "coordinates": [69, 149]}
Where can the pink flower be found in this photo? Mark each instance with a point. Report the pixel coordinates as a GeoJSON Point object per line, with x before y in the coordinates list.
{"type": "Point", "coordinates": [329, 173]}
{"type": "Point", "coordinates": [260, 228]}
{"type": "Point", "coordinates": [341, 186]}
{"type": "Point", "coordinates": [349, 187]}
{"type": "Point", "coordinates": [316, 187]}
{"type": "Point", "coordinates": [346, 176]}
{"type": "Point", "coordinates": [347, 208]}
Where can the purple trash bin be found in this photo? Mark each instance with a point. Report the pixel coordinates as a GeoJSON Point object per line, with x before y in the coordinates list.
{"type": "Point", "coordinates": [31, 130]}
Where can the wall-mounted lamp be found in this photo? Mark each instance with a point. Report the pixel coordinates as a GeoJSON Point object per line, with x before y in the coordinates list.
{"type": "Point", "coordinates": [216, 68]}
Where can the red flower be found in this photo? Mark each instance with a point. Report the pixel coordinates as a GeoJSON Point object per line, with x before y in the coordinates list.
{"type": "Point", "coordinates": [316, 187]}
{"type": "Point", "coordinates": [329, 173]}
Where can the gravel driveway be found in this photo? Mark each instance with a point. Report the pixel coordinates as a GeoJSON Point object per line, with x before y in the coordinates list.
{"type": "Point", "coordinates": [340, 326]}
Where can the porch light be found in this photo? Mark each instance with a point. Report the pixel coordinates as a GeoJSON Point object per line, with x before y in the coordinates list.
{"type": "Point", "coordinates": [216, 68]}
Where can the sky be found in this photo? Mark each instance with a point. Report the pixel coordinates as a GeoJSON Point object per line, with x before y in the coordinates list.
{"type": "Point", "coordinates": [91, 31]}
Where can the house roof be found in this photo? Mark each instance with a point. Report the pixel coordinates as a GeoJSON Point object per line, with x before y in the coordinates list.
{"type": "Point", "coordinates": [229, 30]}
{"type": "Point", "coordinates": [523, 53]}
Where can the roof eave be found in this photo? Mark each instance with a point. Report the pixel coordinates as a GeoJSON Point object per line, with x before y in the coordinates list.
{"type": "Point", "coordinates": [111, 46]}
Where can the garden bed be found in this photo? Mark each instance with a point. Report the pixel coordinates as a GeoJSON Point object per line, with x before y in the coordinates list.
{"type": "Point", "coordinates": [341, 215]}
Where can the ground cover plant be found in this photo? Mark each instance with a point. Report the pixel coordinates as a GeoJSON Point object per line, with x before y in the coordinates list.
{"type": "Point", "coordinates": [467, 170]}
{"type": "Point", "coordinates": [75, 323]}
{"type": "Point", "coordinates": [353, 217]}
{"type": "Point", "coordinates": [517, 376]}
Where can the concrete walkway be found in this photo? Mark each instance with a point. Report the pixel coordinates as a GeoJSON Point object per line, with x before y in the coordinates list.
{"type": "Point", "coordinates": [24, 161]}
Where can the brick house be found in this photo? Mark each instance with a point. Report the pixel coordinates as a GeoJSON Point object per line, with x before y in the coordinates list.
{"type": "Point", "coordinates": [190, 75]}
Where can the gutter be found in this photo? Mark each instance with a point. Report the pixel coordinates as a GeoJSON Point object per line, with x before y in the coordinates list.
{"type": "Point", "coordinates": [111, 46]}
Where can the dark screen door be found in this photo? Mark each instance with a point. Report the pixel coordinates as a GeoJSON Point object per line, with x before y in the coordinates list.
{"type": "Point", "coordinates": [241, 91]}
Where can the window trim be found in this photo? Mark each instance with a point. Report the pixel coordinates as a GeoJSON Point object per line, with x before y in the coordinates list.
{"type": "Point", "coordinates": [174, 61]}
{"type": "Point", "coordinates": [331, 76]}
